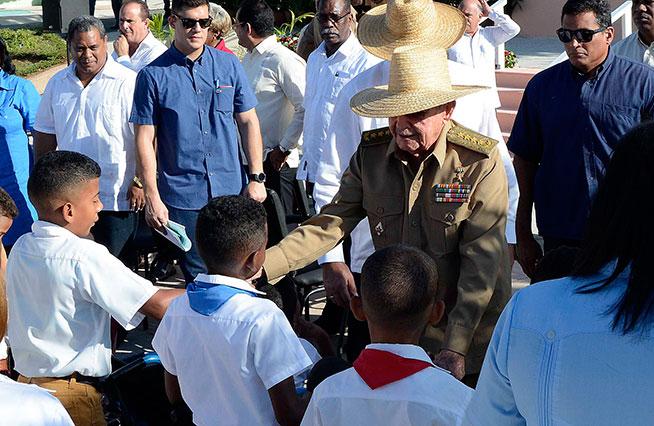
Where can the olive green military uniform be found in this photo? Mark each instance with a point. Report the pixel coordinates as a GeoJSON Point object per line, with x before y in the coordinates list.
{"type": "Point", "coordinates": [465, 237]}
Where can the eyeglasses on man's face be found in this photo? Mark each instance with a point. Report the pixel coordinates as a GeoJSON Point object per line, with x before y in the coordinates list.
{"type": "Point", "coordinates": [582, 35]}
{"type": "Point", "coordinates": [331, 17]}
{"type": "Point", "coordinates": [189, 23]}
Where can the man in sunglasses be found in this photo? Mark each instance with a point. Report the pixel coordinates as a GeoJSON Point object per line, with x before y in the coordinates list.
{"type": "Point", "coordinates": [571, 117]}
{"type": "Point", "coordinates": [640, 45]}
{"type": "Point", "coordinates": [194, 100]}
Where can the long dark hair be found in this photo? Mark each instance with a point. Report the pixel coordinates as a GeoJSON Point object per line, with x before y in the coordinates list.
{"type": "Point", "coordinates": [619, 229]}
{"type": "Point", "coordinates": [5, 59]}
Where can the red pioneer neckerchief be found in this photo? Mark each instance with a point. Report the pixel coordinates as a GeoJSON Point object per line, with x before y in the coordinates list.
{"type": "Point", "coordinates": [379, 368]}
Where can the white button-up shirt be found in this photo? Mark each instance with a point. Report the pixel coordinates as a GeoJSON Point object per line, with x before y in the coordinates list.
{"type": "Point", "coordinates": [227, 361]}
{"type": "Point", "coordinates": [429, 397]}
{"type": "Point", "coordinates": [277, 76]}
{"type": "Point", "coordinates": [633, 48]}
{"type": "Point", "coordinates": [473, 111]}
{"type": "Point", "coordinates": [149, 50]}
{"type": "Point", "coordinates": [478, 50]}
{"type": "Point", "coordinates": [326, 76]}
{"type": "Point", "coordinates": [28, 405]}
{"type": "Point", "coordinates": [94, 120]}
{"type": "Point", "coordinates": [62, 292]}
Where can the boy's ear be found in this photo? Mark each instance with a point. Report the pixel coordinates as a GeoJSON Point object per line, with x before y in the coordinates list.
{"type": "Point", "coordinates": [357, 308]}
{"type": "Point", "coordinates": [254, 262]}
{"type": "Point", "coordinates": [67, 212]}
{"type": "Point", "coordinates": [437, 312]}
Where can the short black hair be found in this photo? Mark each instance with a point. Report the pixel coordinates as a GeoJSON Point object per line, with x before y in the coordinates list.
{"type": "Point", "coordinates": [347, 4]}
{"type": "Point", "coordinates": [58, 172]}
{"type": "Point", "coordinates": [600, 8]}
{"type": "Point", "coordinates": [84, 24]}
{"type": "Point", "coordinates": [259, 15]}
{"type": "Point", "coordinates": [229, 228]}
{"type": "Point", "coordinates": [397, 284]}
{"type": "Point", "coordinates": [179, 5]}
{"type": "Point", "coordinates": [7, 205]}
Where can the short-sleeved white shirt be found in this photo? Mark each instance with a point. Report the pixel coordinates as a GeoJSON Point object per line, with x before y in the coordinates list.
{"type": "Point", "coordinates": [62, 291]}
{"type": "Point", "coordinates": [29, 405]}
{"type": "Point", "coordinates": [429, 397]}
{"type": "Point", "coordinates": [226, 362]}
{"type": "Point", "coordinates": [149, 50]}
{"type": "Point", "coordinates": [94, 120]}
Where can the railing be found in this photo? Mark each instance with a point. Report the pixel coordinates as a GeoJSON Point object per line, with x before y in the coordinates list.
{"type": "Point", "coordinates": [622, 12]}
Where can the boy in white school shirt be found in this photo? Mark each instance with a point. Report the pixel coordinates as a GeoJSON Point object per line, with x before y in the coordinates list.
{"type": "Point", "coordinates": [393, 381]}
{"type": "Point", "coordinates": [63, 288]}
{"type": "Point", "coordinates": [230, 355]}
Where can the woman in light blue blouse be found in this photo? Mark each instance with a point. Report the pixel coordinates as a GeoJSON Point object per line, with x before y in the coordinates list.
{"type": "Point", "coordinates": [19, 102]}
{"type": "Point", "coordinates": [580, 350]}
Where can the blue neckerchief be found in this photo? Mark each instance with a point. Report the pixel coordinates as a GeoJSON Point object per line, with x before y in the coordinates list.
{"type": "Point", "coordinates": [207, 298]}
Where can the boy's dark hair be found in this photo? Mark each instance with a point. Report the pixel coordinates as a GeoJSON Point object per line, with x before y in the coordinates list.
{"type": "Point", "coordinates": [229, 228]}
{"type": "Point", "coordinates": [58, 172]}
{"type": "Point", "coordinates": [7, 205]}
{"type": "Point", "coordinates": [259, 15]}
{"type": "Point", "coordinates": [600, 8]}
{"type": "Point", "coordinates": [397, 284]}
{"type": "Point", "coordinates": [557, 263]}
{"type": "Point", "coordinates": [6, 63]}
{"type": "Point", "coordinates": [180, 5]}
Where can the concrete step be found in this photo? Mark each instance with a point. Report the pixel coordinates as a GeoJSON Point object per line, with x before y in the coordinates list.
{"type": "Point", "coordinates": [510, 98]}
{"type": "Point", "coordinates": [516, 78]}
{"type": "Point", "coordinates": [506, 118]}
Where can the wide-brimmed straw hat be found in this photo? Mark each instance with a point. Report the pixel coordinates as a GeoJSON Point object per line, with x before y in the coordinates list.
{"type": "Point", "coordinates": [409, 23]}
{"type": "Point", "coordinates": [419, 80]}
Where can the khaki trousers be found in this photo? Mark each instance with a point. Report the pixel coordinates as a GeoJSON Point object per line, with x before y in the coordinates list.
{"type": "Point", "coordinates": [82, 401]}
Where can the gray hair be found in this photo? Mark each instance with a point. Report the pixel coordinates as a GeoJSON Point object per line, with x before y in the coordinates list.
{"type": "Point", "coordinates": [462, 6]}
{"type": "Point", "coordinates": [84, 24]}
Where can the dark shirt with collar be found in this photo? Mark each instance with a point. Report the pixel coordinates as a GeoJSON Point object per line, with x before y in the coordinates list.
{"type": "Point", "coordinates": [193, 103]}
{"type": "Point", "coordinates": [569, 124]}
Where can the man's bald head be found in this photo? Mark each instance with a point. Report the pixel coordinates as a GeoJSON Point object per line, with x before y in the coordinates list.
{"type": "Point", "coordinates": [473, 12]}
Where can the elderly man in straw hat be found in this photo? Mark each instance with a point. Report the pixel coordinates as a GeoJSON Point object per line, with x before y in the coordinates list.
{"type": "Point", "coordinates": [475, 111]}
{"type": "Point", "coordinates": [427, 182]}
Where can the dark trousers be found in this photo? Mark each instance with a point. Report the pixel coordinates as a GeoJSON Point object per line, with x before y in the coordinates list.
{"type": "Point", "coordinates": [551, 243]}
{"type": "Point", "coordinates": [283, 183]}
{"type": "Point", "coordinates": [115, 230]}
{"type": "Point", "coordinates": [191, 262]}
{"type": "Point", "coordinates": [115, 6]}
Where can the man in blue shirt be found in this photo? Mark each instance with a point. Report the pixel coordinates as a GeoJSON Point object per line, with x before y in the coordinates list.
{"type": "Point", "coordinates": [571, 117]}
{"type": "Point", "coordinates": [194, 101]}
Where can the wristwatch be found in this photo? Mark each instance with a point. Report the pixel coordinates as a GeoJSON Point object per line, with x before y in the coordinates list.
{"type": "Point", "coordinates": [257, 177]}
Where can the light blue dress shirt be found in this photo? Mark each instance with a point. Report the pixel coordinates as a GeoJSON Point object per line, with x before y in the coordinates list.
{"type": "Point", "coordinates": [554, 360]}
{"type": "Point", "coordinates": [19, 102]}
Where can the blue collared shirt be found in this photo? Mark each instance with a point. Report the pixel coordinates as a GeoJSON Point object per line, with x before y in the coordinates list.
{"type": "Point", "coordinates": [554, 359]}
{"type": "Point", "coordinates": [19, 102]}
{"type": "Point", "coordinates": [192, 103]}
{"type": "Point", "coordinates": [570, 124]}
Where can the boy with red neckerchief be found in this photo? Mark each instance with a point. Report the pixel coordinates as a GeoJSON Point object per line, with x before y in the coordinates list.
{"type": "Point", "coordinates": [393, 381]}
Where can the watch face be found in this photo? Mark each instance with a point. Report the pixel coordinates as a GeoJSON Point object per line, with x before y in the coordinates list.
{"type": "Point", "coordinates": [258, 177]}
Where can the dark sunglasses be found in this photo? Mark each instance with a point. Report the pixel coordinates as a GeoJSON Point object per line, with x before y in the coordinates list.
{"type": "Point", "coordinates": [189, 23]}
{"type": "Point", "coordinates": [583, 35]}
{"type": "Point", "coordinates": [332, 17]}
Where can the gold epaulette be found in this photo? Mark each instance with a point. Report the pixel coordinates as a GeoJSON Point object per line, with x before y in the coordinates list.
{"type": "Point", "coordinates": [377, 136]}
{"type": "Point", "coordinates": [470, 139]}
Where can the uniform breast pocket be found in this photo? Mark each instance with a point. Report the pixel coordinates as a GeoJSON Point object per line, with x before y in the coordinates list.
{"type": "Point", "coordinates": [445, 224]}
{"type": "Point", "coordinates": [385, 218]}
{"type": "Point", "coordinates": [224, 99]}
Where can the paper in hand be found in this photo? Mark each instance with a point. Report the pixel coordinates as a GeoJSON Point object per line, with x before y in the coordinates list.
{"type": "Point", "coordinates": [176, 234]}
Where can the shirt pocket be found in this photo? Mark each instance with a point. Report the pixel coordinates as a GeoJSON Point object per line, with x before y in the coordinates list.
{"type": "Point", "coordinates": [224, 99]}
{"type": "Point", "coordinates": [445, 222]}
{"type": "Point", "coordinates": [385, 218]}
{"type": "Point", "coordinates": [341, 78]}
{"type": "Point", "coordinates": [110, 130]}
